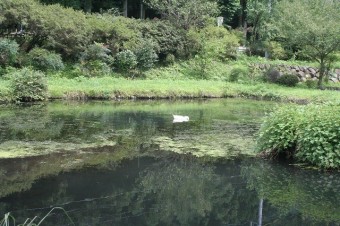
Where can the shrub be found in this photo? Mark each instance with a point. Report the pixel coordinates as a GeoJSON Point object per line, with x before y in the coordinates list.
{"type": "Point", "coordinates": [288, 80]}
{"type": "Point", "coordinates": [65, 30]}
{"type": "Point", "coordinates": [170, 59]}
{"type": "Point", "coordinates": [28, 85]}
{"type": "Point", "coordinates": [237, 73]}
{"type": "Point", "coordinates": [45, 60]}
{"type": "Point", "coordinates": [272, 75]}
{"type": "Point", "coordinates": [318, 142]}
{"type": "Point", "coordinates": [94, 68]}
{"type": "Point", "coordinates": [276, 51]}
{"type": "Point", "coordinates": [307, 133]}
{"type": "Point", "coordinates": [97, 51]}
{"type": "Point", "coordinates": [125, 60]}
{"type": "Point", "coordinates": [146, 55]}
{"type": "Point", "coordinates": [8, 51]}
{"type": "Point", "coordinates": [213, 42]}
{"type": "Point", "coordinates": [166, 38]}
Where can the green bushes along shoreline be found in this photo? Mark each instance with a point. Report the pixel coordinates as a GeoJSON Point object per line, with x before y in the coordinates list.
{"type": "Point", "coordinates": [308, 134]}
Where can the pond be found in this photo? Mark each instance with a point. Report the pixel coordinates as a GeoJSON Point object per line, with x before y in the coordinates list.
{"type": "Point", "coordinates": [127, 163]}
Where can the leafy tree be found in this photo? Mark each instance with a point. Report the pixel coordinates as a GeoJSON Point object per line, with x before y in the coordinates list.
{"type": "Point", "coordinates": [167, 39]}
{"type": "Point", "coordinates": [258, 15]}
{"type": "Point", "coordinates": [185, 13]}
{"type": "Point", "coordinates": [229, 8]}
{"type": "Point", "coordinates": [62, 29]}
{"type": "Point", "coordinates": [8, 51]}
{"type": "Point", "coordinates": [312, 26]}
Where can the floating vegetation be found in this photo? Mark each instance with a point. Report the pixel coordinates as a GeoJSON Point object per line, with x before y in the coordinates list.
{"type": "Point", "coordinates": [16, 149]}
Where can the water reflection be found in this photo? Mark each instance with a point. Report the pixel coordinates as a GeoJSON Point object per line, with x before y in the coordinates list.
{"type": "Point", "coordinates": [181, 190]}
{"type": "Point", "coordinates": [128, 164]}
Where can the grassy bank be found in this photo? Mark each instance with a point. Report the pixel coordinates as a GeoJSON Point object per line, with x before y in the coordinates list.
{"type": "Point", "coordinates": [111, 88]}
{"type": "Point", "coordinates": [119, 88]}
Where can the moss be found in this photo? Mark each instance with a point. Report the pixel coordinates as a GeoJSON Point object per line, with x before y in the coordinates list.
{"type": "Point", "coordinates": [21, 149]}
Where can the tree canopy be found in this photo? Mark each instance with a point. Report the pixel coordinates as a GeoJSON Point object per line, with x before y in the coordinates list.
{"type": "Point", "coordinates": [185, 13]}
{"type": "Point", "coordinates": [311, 26]}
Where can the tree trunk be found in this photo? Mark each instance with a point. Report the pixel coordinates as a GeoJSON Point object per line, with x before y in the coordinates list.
{"type": "Point", "coordinates": [321, 72]}
{"type": "Point", "coordinates": [125, 8]}
{"type": "Point", "coordinates": [88, 6]}
{"type": "Point", "coordinates": [142, 10]}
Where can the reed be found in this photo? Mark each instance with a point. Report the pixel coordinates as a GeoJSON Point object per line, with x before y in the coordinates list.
{"type": "Point", "coordinates": [8, 218]}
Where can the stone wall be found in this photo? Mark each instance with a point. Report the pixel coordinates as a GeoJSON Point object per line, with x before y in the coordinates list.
{"type": "Point", "coordinates": [303, 72]}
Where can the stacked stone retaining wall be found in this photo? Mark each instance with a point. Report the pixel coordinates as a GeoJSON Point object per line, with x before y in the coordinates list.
{"type": "Point", "coordinates": [303, 72]}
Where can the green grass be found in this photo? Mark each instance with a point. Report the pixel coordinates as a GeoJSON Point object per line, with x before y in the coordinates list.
{"type": "Point", "coordinates": [111, 88]}
{"type": "Point", "coordinates": [279, 93]}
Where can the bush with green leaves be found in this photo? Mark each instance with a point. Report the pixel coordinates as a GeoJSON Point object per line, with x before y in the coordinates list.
{"type": "Point", "coordinates": [97, 51]}
{"type": "Point", "coordinates": [319, 138]}
{"type": "Point", "coordinates": [8, 51]}
{"type": "Point", "coordinates": [307, 134]}
{"type": "Point", "coordinates": [272, 75]}
{"type": "Point", "coordinates": [28, 85]}
{"type": "Point", "coordinates": [170, 59]}
{"type": "Point", "coordinates": [214, 42]}
{"type": "Point", "coordinates": [44, 60]}
{"type": "Point", "coordinates": [275, 49]}
{"type": "Point", "coordinates": [238, 72]}
{"type": "Point", "coordinates": [94, 68]}
{"type": "Point", "coordinates": [167, 39]}
{"type": "Point", "coordinates": [288, 80]}
{"type": "Point", "coordinates": [146, 55]}
{"type": "Point", "coordinates": [125, 60]}
{"type": "Point", "coordinates": [64, 30]}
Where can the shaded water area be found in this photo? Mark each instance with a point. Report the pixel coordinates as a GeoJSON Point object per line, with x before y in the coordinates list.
{"type": "Point", "coordinates": [127, 163]}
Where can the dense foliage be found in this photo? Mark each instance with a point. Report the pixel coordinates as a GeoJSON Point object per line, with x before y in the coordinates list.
{"type": "Point", "coordinates": [28, 85]}
{"type": "Point", "coordinates": [8, 51]}
{"type": "Point", "coordinates": [186, 13]}
{"type": "Point", "coordinates": [45, 60]}
{"type": "Point", "coordinates": [288, 80]}
{"type": "Point", "coordinates": [311, 26]}
{"type": "Point", "coordinates": [306, 133]}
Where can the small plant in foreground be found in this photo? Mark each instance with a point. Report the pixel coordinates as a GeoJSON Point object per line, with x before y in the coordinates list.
{"type": "Point", "coordinates": [306, 133]}
{"type": "Point", "coordinates": [28, 85]}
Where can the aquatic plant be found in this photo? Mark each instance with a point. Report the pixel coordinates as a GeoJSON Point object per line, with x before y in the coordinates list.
{"type": "Point", "coordinates": [8, 218]}
{"type": "Point", "coordinates": [308, 134]}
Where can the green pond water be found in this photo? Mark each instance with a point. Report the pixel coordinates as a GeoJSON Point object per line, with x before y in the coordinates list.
{"type": "Point", "coordinates": [127, 163]}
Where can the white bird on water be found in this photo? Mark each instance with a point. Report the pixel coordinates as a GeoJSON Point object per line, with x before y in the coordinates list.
{"type": "Point", "coordinates": [180, 118]}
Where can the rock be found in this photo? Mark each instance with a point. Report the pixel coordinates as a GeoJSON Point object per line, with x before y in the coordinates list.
{"type": "Point", "coordinates": [301, 74]}
{"type": "Point", "coordinates": [333, 79]}
{"type": "Point", "coordinates": [337, 71]}
{"type": "Point", "coordinates": [312, 71]}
